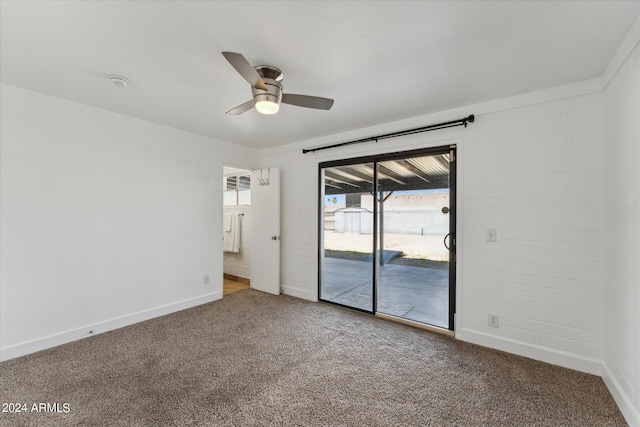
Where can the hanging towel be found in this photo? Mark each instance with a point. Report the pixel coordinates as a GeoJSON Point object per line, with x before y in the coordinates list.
{"type": "Point", "coordinates": [227, 222]}
{"type": "Point", "coordinates": [231, 239]}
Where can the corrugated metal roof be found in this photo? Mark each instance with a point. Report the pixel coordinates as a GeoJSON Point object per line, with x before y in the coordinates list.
{"type": "Point", "coordinates": [404, 174]}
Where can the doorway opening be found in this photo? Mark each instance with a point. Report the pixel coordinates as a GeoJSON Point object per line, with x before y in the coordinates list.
{"type": "Point", "coordinates": [387, 235]}
{"type": "Point", "coordinates": [236, 229]}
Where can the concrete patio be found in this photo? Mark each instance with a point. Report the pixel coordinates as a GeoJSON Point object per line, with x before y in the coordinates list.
{"type": "Point", "coordinates": [414, 293]}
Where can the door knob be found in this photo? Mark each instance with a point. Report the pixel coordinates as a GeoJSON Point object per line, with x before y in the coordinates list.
{"type": "Point", "coordinates": [445, 210]}
{"type": "Point", "coordinates": [275, 237]}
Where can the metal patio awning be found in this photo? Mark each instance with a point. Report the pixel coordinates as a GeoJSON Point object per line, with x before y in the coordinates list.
{"type": "Point", "coordinates": [417, 173]}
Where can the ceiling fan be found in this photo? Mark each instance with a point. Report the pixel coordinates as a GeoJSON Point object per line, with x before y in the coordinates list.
{"type": "Point", "coordinates": [266, 86]}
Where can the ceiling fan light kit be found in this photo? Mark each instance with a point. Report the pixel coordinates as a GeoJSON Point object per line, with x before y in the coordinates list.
{"type": "Point", "coordinates": [267, 107]}
{"type": "Point", "coordinates": [267, 88]}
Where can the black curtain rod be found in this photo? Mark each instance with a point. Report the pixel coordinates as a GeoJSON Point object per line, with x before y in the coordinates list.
{"type": "Point", "coordinates": [453, 123]}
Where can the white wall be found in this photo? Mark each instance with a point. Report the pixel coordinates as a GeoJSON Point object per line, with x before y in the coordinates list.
{"type": "Point", "coordinates": [105, 219]}
{"type": "Point", "coordinates": [239, 264]}
{"type": "Point", "coordinates": [622, 235]}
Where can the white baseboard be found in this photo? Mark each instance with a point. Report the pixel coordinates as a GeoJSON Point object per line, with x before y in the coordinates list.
{"type": "Point", "coordinates": [532, 351]}
{"type": "Point", "coordinates": [623, 401]}
{"type": "Point", "coordinates": [54, 340]}
{"type": "Point", "coordinates": [300, 293]}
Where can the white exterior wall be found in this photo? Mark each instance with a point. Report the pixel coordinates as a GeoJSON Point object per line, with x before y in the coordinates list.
{"type": "Point", "coordinates": [622, 236]}
{"type": "Point", "coordinates": [106, 220]}
{"type": "Point", "coordinates": [414, 214]}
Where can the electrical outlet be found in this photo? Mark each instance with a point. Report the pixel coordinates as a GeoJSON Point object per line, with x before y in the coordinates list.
{"type": "Point", "coordinates": [205, 279]}
{"type": "Point", "coordinates": [492, 235]}
{"type": "Point", "coordinates": [494, 320]}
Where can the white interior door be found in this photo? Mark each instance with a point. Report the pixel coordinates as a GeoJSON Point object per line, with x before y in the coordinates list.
{"type": "Point", "coordinates": [265, 226]}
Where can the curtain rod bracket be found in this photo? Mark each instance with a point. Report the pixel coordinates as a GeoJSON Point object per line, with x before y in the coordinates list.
{"type": "Point", "coordinates": [469, 119]}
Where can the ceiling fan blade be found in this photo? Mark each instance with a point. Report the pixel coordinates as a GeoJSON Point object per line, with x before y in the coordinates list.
{"type": "Point", "coordinates": [242, 108]}
{"type": "Point", "coordinates": [307, 101]}
{"type": "Point", "coordinates": [242, 66]}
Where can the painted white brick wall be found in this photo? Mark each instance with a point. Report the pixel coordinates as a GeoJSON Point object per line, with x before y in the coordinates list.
{"type": "Point", "coordinates": [535, 173]}
{"type": "Point", "coordinates": [622, 231]}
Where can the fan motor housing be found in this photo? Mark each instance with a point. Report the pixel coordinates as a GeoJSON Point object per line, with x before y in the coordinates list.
{"type": "Point", "coordinates": [272, 78]}
{"type": "Point", "coordinates": [273, 94]}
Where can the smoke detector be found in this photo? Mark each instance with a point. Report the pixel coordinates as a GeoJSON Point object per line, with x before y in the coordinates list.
{"type": "Point", "coordinates": [119, 81]}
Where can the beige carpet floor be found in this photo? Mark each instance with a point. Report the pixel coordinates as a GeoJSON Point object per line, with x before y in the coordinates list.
{"type": "Point", "coordinates": [257, 359]}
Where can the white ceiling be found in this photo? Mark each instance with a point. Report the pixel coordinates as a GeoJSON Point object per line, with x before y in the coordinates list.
{"type": "Point", "coordinates": [380, 61]}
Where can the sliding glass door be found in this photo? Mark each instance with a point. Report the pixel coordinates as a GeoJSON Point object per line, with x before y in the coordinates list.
{"type": "Point", "coordinates": [347, 236]}
{"type": "Point", "coordinates": [413, 269]}
{"type": "Point", "coordinates": [390, 250]}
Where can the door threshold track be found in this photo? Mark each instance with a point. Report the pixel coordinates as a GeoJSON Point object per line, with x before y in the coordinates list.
{"type": "Point", "coordinates": [415, 324]}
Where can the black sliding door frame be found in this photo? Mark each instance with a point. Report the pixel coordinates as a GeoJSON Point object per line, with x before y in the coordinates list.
{"type": "Point", "coordinates": [375, 160]}
{"type": "Point", "coordinates": [453, 194]}
{"type": "Point", "coordinates": [375, 238]}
